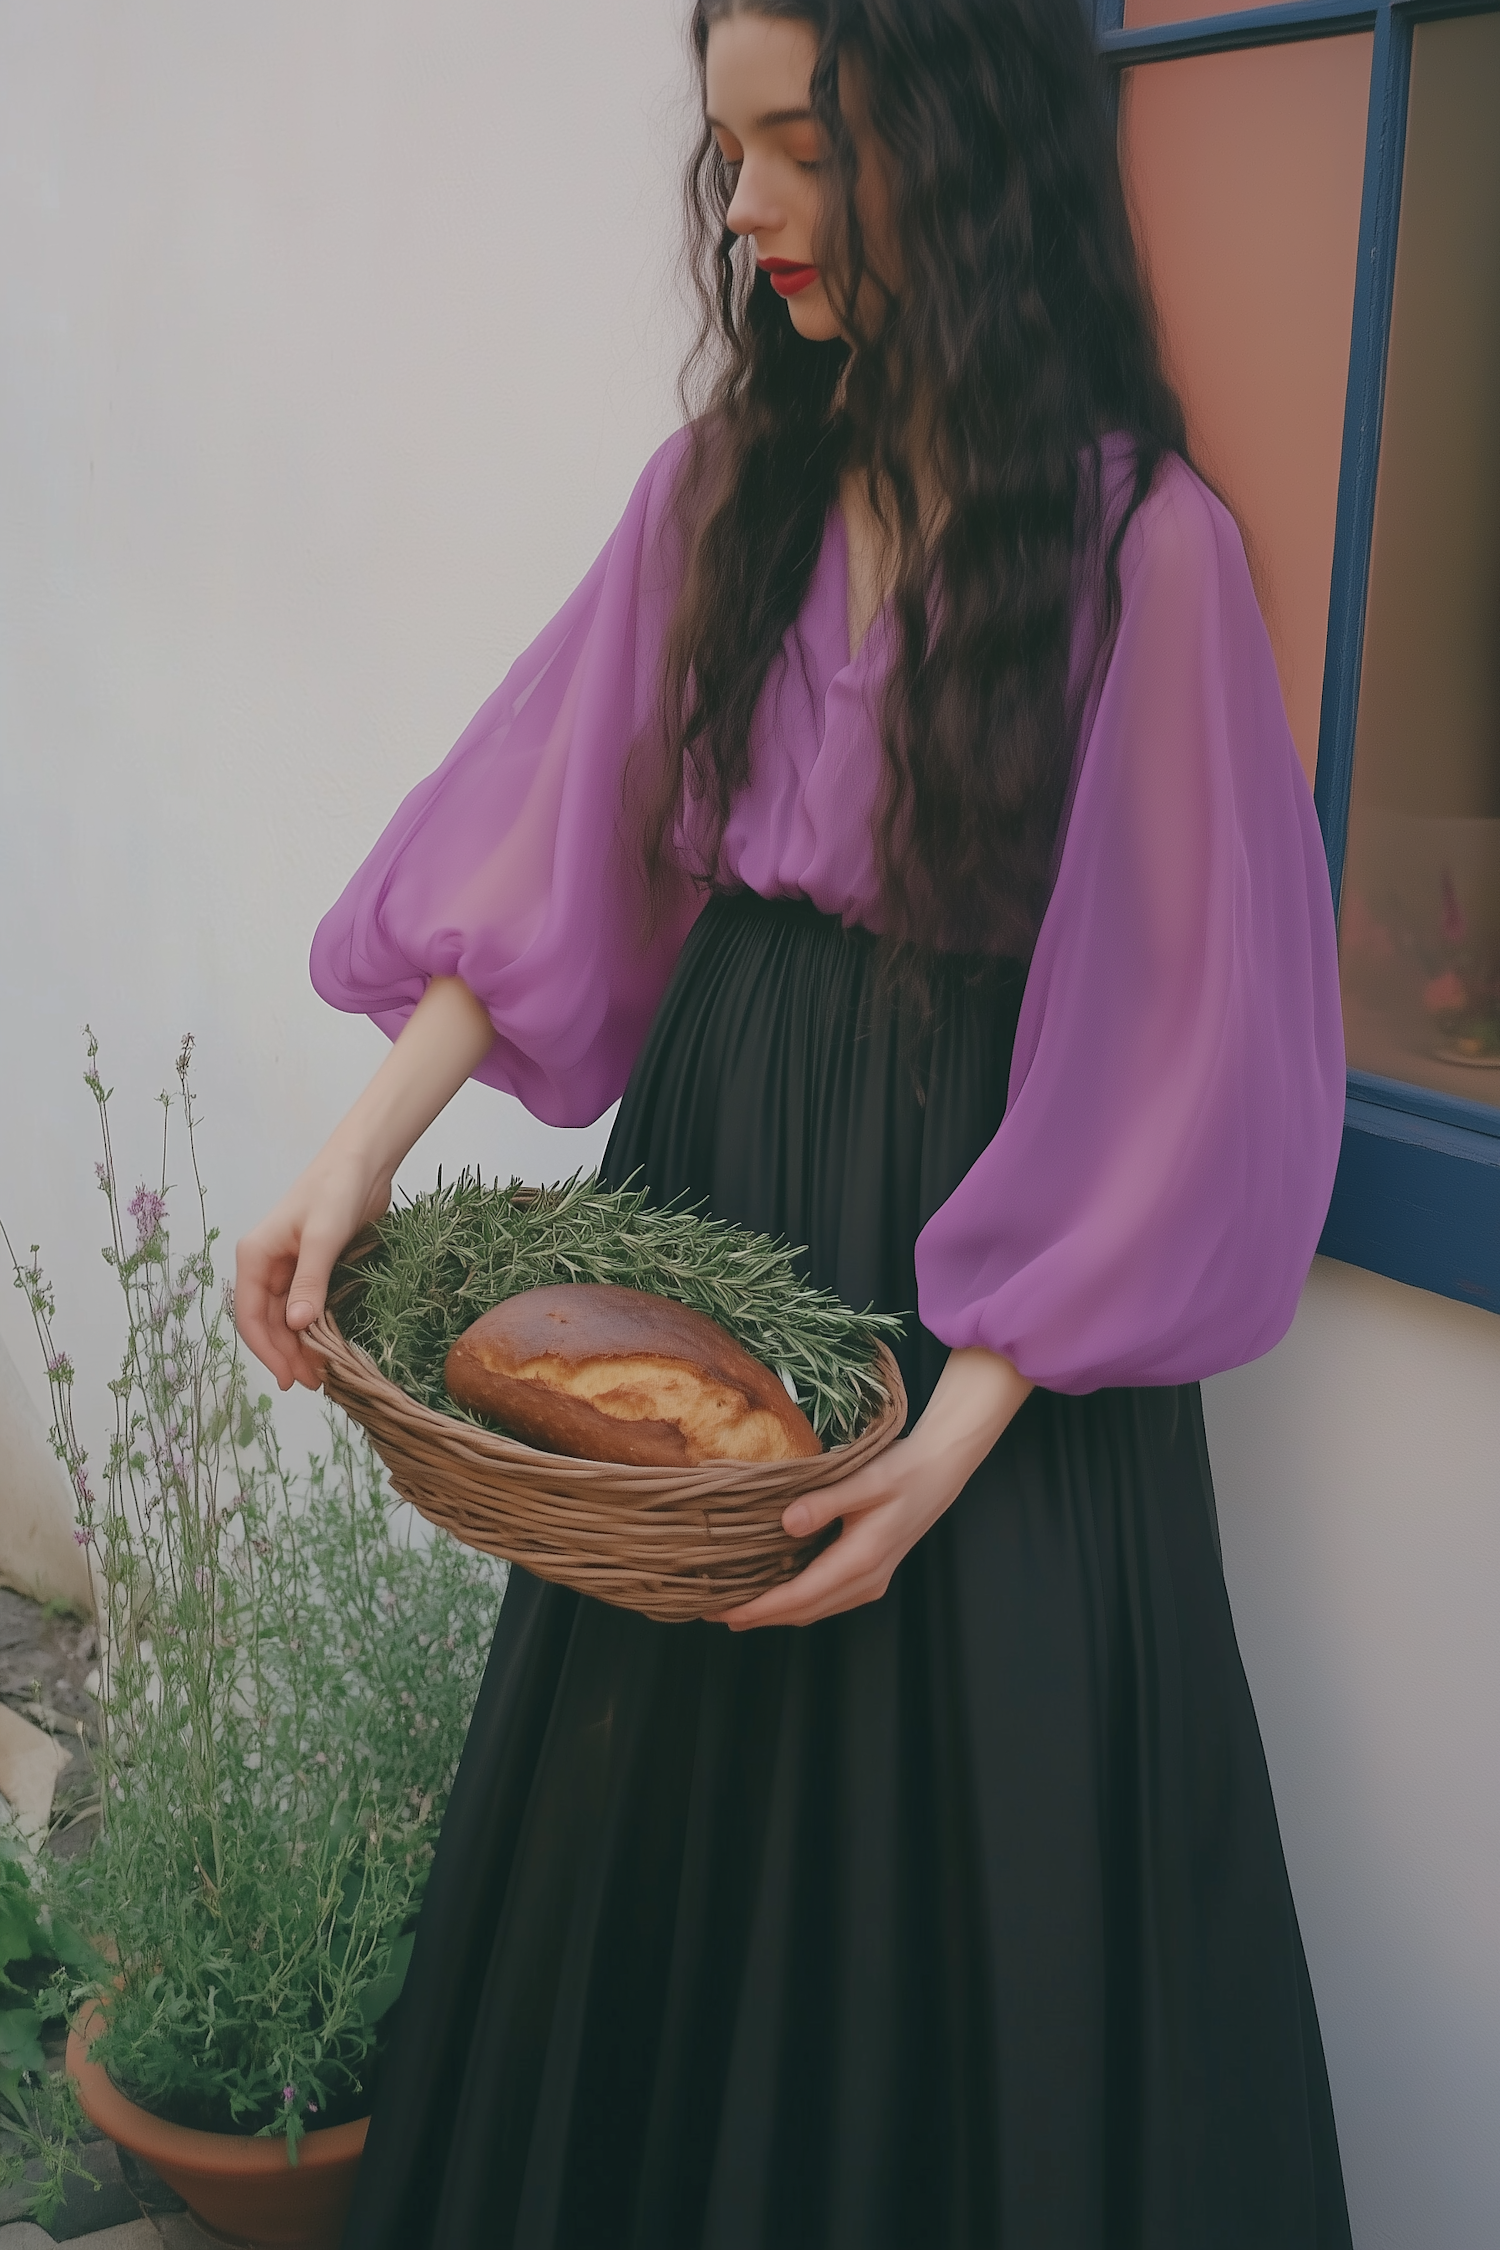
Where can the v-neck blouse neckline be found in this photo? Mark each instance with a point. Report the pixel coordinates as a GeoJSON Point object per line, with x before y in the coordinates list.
{"type": "Point", "coordinates": [804, 823]}
{"type": "Point", "coordinates": [838, 528]}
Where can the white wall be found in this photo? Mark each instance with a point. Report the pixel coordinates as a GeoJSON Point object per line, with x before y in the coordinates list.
{"type": "Point", "coordinates": [332, 337]}
{"type": "Point", "coordinates": [1358, 1477]}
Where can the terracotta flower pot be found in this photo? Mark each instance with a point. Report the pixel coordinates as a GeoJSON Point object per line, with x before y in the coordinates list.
{"type": "Point", "coordinates": [241, 2190]}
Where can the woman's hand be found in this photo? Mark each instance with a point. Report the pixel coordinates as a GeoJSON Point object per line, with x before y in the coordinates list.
{"type": "Point", "coordinates": [282, 1266]}
{"type": "Point", "coordinates": [887, 1505]}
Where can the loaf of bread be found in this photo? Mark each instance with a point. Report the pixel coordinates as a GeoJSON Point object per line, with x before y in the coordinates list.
{"type": "Point", "coordinates": [611, 1374]}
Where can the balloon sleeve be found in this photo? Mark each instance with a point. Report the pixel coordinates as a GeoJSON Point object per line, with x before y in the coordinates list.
{"type": "Point", "coordinates": [1150, 1206]}
{"type": "Point", "coordinates": [509, 866]}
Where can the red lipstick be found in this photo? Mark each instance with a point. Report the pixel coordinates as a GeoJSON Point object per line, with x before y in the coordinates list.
{"type": "Point", "coordinates": [787, 278]}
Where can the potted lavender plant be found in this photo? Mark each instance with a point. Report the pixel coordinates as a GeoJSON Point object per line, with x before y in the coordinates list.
{"type": "Point", "coordinates": [287, 1676]}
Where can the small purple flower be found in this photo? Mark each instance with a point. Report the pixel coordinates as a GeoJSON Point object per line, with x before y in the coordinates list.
{"type": "Point", "coordinates": [148, 1210]}
{"type": "Point", "coordinates": [84, 1538]}
{"type": "Point", "coordinates": [60, 1368]}
{"type": "Point", "coordinates": [101, 1174]}
{"type": "Point", "coordinates": [288, 2095]}
{"type": "Point", "coordinates": [313, 2107]}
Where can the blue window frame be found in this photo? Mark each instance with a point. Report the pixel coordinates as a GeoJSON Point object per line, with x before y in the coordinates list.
{"type": "Point", "coordinates": [1418, 1189]}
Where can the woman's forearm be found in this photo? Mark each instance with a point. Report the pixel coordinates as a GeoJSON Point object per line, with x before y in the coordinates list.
{"type": "Point", "coordinates": [972, 1403]}
{"type": "Point", "coordinates": [446, 1037]}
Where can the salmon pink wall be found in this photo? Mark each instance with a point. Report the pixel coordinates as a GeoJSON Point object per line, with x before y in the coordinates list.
{"type": "Point", "coordinates": [1244, 174]}
{"type": "Point", "coordinates": [1140, 13]}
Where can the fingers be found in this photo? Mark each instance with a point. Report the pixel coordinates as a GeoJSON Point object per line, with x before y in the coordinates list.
{"type": "Point", "coordinates": [856, 1569]}
{"type": "Point", "coordinates": [814, 1511]}
{"type": "Point", "coordinates": [253, 1315]}
{"type": "Point", "coordinates": [316, 1257]}
{"type": "Point", "coordinates": [260, 1315]}
{"type": "Point", "coordinates": [308, 1364]}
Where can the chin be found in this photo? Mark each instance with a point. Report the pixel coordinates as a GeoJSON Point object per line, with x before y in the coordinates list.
{"type": "Point", "coordinates": [812, 315]}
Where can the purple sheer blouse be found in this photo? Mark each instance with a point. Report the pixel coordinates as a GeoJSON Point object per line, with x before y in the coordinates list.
{"type": "Point", "coordinates": [1149, 1207]}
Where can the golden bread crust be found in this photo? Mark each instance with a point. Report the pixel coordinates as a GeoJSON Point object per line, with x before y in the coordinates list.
{"type": "Point", "coordinates": [611, 1374]}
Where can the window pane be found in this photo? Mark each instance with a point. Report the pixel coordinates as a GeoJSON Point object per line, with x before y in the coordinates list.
{"type": "Point", "coordinates": [1244, 173]}
{"type": "Point", "coordinates": [1420, 921]}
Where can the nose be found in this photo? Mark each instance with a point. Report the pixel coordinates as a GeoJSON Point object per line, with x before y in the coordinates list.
{"type": "Point", "coordinates": [753, 209]}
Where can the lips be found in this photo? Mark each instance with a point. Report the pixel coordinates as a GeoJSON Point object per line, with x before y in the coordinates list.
{"type": "Point", "coordinates": [786, 277]}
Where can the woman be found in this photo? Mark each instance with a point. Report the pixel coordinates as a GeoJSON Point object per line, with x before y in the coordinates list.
{"type": "Point", "coordinates": [902, 814]}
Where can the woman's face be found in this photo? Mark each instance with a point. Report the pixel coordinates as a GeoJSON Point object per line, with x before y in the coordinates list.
{"type": "Point", "coordinates": [758, 76]}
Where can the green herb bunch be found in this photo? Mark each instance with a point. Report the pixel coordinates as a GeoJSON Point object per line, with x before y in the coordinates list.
{"type": "Point", "coordinates": [440, 1260]}
{"type": "Point", "coordinates": [287, 1677]}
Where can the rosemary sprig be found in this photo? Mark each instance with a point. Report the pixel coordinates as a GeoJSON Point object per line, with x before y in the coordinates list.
{"type": "Point", "coordinates": [445, 1258]}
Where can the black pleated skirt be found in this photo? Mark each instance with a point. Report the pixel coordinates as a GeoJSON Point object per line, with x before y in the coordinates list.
{"type": "Point", "coordinates": [958, 1920]}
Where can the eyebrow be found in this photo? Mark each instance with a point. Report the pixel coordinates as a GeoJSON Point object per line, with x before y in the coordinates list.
{"type": "Point", "coordinates": [770, 121]}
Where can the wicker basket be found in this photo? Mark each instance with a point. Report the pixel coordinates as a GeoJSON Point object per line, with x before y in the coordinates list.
{"type": "Point", "coordinates": [672, 1543]}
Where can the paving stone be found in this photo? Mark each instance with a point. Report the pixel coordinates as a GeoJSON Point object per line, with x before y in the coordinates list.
{"type": "Point", "coordinates": [178, 2230]}
{"type": "Point", "coordinates": [149, 2188]}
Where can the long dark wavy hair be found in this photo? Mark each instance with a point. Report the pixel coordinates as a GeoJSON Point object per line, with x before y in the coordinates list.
{"type": "Point", "coordinates": [1022, 332]}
